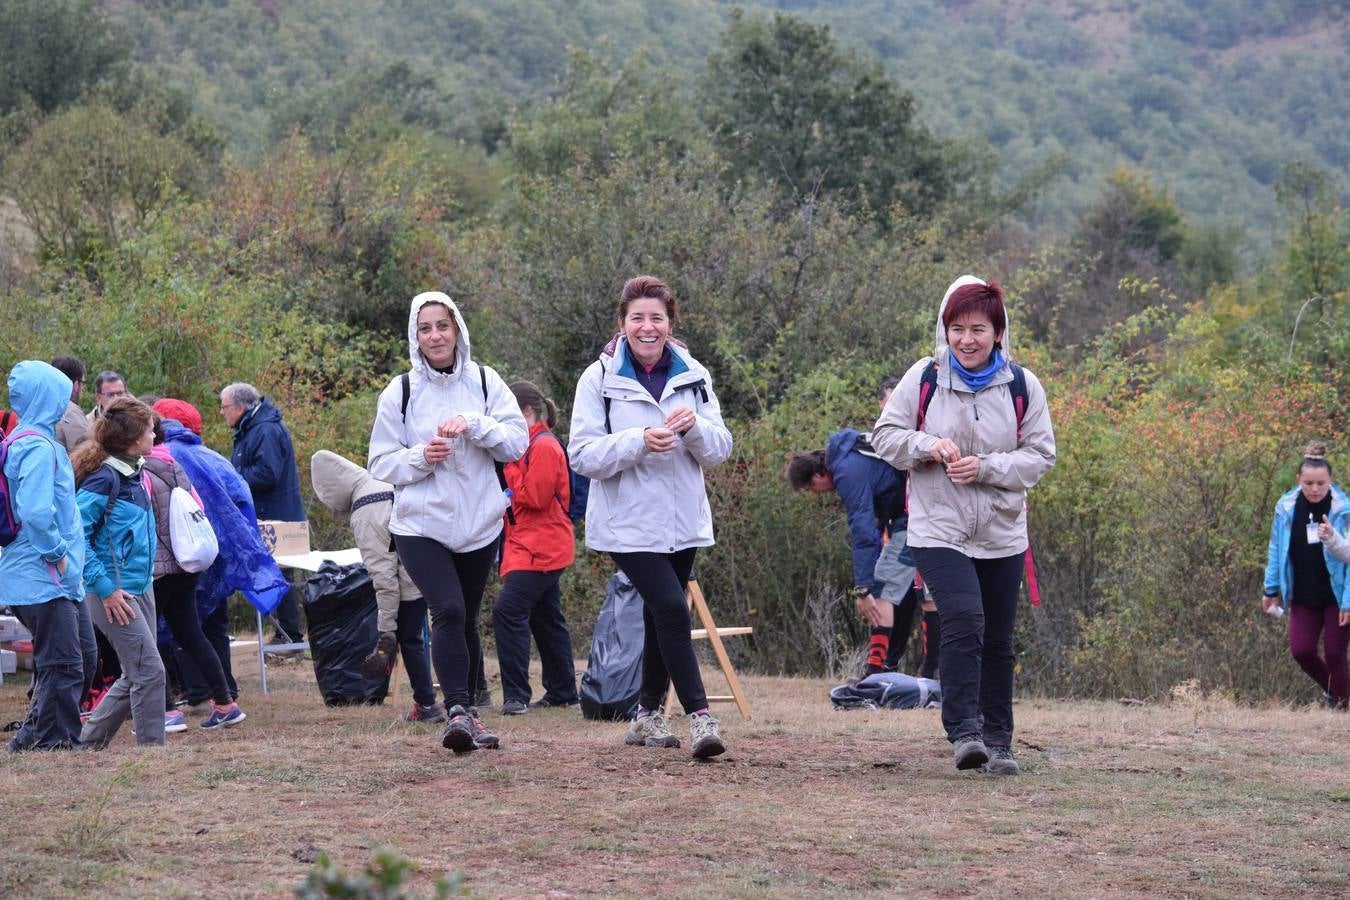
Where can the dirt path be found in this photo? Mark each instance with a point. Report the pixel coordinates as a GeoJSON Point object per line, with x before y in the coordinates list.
{"type": "Point", "coordinates": [1195, 799]}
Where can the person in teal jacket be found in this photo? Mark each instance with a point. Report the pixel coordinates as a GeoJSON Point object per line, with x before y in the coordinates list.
{"type": "Point", "coordinates": [119, 528]}
{"type": "Point", "coordinates": [1308, 580]}
{"type": "Point", "coordinates": [41, 570]}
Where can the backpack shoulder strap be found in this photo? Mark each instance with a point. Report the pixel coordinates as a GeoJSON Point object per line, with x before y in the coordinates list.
{"type": "Point", "coordinates": [497, 464]}
{"type": "Point", "coordinates": [608, 428]}
{"type": "Point", "coordinates": [482, 376]}
{"type": "Point", "coordinates": [1018, 392]}
{"type": "Point", "coordinates": [927, 387]}
{"type": "Point", "coordinates": [406, 380]}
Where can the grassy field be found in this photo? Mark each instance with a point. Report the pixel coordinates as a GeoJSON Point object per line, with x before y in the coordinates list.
{"type": "Point", "coordinates": [1195, 798]}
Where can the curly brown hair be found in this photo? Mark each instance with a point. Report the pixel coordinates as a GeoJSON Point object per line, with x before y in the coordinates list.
{"type": "Point", "coordinates": [122, 424]}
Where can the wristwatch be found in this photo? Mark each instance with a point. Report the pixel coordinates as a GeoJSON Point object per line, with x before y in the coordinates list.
{"type": "Point", "coordinates": [862, 590]}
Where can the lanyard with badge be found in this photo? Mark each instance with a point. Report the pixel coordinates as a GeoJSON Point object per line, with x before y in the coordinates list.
{"type": "Point", "coordinates": [1312, 531]}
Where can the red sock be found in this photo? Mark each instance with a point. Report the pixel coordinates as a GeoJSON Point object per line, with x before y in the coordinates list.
{"type": "Point", "coordinates": [876, 651]}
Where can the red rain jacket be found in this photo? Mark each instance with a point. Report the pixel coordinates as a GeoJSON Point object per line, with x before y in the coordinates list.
{"type": "Point", "coordinates": [542, 539]}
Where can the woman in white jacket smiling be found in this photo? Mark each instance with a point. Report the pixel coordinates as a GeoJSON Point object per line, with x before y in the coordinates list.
{"type": "Point", "coordinates": [645, 424]}
{"type": "Point", "coordinates": [439, 432]}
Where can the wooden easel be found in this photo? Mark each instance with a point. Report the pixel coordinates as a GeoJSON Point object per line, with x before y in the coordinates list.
{"type": "Point", "coordinates": [694, 594]}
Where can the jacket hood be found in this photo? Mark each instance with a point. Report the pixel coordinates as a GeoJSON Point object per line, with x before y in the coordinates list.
{"type": "Point", "coordinates": [338, 481]}
{"type": "Point", "coordinates": [419, 364]}
{"type": "Point", "coordinates": [38, 394]}
{"type": "Point", "coordinates": [841, 443]}
{"type": "Point", "coordinates": [174, 430]}
{"type": "Point", "coordinates": [941, 333]}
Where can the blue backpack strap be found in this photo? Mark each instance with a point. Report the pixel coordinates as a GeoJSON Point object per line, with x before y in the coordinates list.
{"type": "Point", "coordinates": [525, 460]}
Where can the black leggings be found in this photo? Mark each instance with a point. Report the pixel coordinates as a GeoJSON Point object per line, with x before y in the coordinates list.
{"type": "Point", "coordinates": [452, 584]}
{"type": "Point", "coordinates": [977, 603]}
{"type": "Point", "coordinates": [176, 601]}
{"type": "Point", "coordinates": [667, 650]}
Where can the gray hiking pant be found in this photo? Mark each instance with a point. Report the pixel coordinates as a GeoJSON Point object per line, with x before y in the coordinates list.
{"type": "Point", "coordinates": [140, 691]}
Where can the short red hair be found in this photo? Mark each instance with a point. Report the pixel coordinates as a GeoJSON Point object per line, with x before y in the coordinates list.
{"type": "Point", "coordinates": [977, 299]}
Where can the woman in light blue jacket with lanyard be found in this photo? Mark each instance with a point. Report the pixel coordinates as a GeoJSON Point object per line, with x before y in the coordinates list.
{"type": "Point", "coordinates": [645, 424]}
{"type": "Point", "coordinates": [1307, 576]}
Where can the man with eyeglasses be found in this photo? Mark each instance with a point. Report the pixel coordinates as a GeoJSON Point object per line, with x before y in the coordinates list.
{"type": "Point", "coordinates": [265, 456]}
{"type": "Point", "coordinates": [73, 428]}
{"type": "Point", "coordinates": [108, 386]}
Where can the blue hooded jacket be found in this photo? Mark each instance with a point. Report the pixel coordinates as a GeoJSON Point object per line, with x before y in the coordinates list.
{"type": "Point", "coordinates": [264, 455]}
{"type": "Point", "coordinates": [873, 493]}
{"type": "Point", "coordinates": [244, 563]}
{"type": "Point", "coordinates": [120, 528]}
{"type": "Point", "coordinates": [43, 490]}
{"type": "Point", "coordinates": [1279, 577]}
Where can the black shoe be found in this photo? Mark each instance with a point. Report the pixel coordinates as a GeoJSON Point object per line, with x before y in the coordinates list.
{"type": "Point", "coordinates": [970, 753]}
{"type": "Point", "coordinates": [484, 698]}
{"type": "Point", "coordinates": [483, 737]}
{"type": "Point", "coordinates": [514, 708]}
{"type": "Point", "coordinates": [380, 662]}
{"type": "Point", "coordinates": [545, 703]}
{"type": "Point", "coordinates": [458, 733]}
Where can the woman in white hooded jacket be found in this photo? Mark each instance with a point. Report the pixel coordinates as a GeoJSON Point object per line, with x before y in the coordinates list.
{"type": "Point", "coordinates": [439, 432]}
{"type": "Point", "coordinates": [645, 424]}
{"type": "Point", "coordinates": [972, 455]}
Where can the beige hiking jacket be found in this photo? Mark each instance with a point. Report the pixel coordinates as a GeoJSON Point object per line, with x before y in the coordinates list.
{"type": "Point", "coordinates": [986, 519]}
{"type": "Point", "coordinates": [339, 483]}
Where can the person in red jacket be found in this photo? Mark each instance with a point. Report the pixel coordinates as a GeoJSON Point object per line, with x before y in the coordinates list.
{"type": "Point", "coordinates": [539, 545]}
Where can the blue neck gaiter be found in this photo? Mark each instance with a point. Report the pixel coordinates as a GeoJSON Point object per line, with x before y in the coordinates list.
{"type": "Point", "coordinates": [978, 381]}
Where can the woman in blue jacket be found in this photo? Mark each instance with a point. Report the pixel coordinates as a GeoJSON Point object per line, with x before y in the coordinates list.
{"type": "Point", "coordinates": [119, 530]}
{"type": "Point", "coordinates": [40, 571]}
{"type": "Point", "coordinates": [1306, 577]}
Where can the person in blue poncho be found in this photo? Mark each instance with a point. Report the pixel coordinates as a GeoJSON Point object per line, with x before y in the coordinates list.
{"type": "Point", "coordinates": [244, 564]}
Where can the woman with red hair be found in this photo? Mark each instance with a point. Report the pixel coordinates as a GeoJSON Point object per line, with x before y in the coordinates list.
{"type": "Point", "coordinates": [973, 429]}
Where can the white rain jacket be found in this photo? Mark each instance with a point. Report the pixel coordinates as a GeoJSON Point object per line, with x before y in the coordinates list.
{"type": "Point", "coordinates": [642, 501]}
{"type": "Point", "coordinates": [458, 501]}
{"type": "Point", "coordinates": [341, 484]}
{"type": "Point", "coordinates": [986, 519]}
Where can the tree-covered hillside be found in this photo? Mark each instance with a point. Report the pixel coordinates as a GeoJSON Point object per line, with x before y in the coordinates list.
{"type": "Point", "coordinates": [1209, 96]}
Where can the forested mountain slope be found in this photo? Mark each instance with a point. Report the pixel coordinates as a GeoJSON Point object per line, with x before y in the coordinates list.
{"type": "Point", "coordinates": [1211, 96]}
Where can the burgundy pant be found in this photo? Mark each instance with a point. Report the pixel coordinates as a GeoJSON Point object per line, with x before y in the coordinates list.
{"type": "Point", "coordinates": [1330, 672]}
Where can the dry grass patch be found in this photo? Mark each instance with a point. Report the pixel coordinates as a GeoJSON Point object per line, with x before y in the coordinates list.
{"type": "Point", "coordinates": [1195, 798]}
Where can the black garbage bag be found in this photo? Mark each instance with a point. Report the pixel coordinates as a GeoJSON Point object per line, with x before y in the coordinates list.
{"type": "Point", "coordinates": [340, 611]}
{"type": "Point", "coordinates": [613, 677]}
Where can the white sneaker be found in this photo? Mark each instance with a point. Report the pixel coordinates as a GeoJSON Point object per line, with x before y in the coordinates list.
{"type": "Point", "coordinates": [650, 730]}
{"type": "Point", "coordinates": [705, 737]}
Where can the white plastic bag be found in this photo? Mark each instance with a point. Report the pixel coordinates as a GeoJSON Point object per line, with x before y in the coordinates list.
{"type": "Point", "coordinates": [193, 540]}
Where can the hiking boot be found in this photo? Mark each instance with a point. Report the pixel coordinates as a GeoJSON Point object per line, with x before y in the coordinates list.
{"type": "Point", "coordinates": [545, 703]}
{"type": "Point", "coordinates": [704, 736]}
{"type": "Point", "coordinates": [458, 733]}
{"type": "Point", "coordinates": [224, 717]}
{"type": "Point", "coordinates": [174, 722]}
{"type": "Point", "coordinates": [380, 662]}
{"type": "Point", "coordinates": [432, 712]}
{"type": "Point", "coordinates": [484, 738]}
{"type": "Point", "coordinates": [514, 708]}
{"type": "Point", "coordinates": [1001, 762]}
{"type": "Point", "coordinates": [650, 730]}
{"type": "Point", "coordinates": [970, 753]}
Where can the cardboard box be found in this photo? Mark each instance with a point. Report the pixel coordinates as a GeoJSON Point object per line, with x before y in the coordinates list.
{"type": "Point", "coordinates": [12, 630]}
{"type": "Point", "coordinates": [285, 538]}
